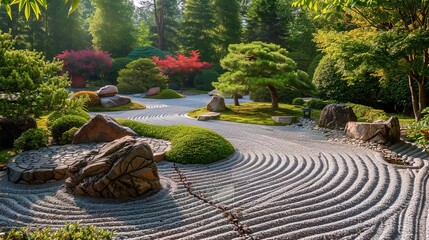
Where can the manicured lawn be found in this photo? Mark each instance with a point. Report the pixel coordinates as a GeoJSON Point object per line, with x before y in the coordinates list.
{"type": "Point", "coordinates": [193, 91]}
{"type": "Point", "coordinates": [404, 120]}
{"type": "Point", "coordinates": [257, 113]}
{"type": "Point", "coordinates": [126, 107]}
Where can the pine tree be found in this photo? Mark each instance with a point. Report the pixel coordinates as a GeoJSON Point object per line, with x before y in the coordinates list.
{"type": "Point", "coordinates": [112, 28]}
{"type": "Point", "coordinates": [198, 29]}
{"type": "Point", "coordinates": [228, 21]}
{"type": "Point", "coordinates": [267, 21]}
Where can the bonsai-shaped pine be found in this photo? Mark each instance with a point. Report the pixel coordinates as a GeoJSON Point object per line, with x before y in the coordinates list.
{"type": "Point", "coordinates": [259, 64]}
{"type": "Point", "coordinates": [139, 76]}
{"type": "Point", "coordinates": [29, 85]}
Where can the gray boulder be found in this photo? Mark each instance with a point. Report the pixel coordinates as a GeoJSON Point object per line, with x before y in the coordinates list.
{"type": "Point", "coordinates": [336, 116]}
{"type": "Point", "coordinates": [107, 91]}
{"type": "Point", "coordinates": [216, 104]}
{"type": "Point", "coordinates": [114, 101]}
{"type": "Point", "coordinates": [380, 132]}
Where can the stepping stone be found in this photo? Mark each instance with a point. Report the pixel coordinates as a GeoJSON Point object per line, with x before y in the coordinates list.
{"type": "Point", "coordinates": [208, 116]}
{"type": "Point", "coordinates": [283, 119]}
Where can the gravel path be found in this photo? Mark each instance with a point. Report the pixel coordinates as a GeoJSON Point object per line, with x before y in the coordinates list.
{"type": "Point", "coordinates": [282, 183]}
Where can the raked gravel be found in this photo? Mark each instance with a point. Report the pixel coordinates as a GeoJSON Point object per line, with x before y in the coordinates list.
{"type": "Point", "coordinates": [286, 183]}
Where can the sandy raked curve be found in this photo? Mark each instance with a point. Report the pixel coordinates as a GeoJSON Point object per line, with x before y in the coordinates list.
{"type": "Point", "coordinates": [286, 183]}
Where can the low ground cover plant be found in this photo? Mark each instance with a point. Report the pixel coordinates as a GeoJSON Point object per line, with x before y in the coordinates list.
{"type": "Point", "coordinates": [70, 231]}
{"type": "Point", "coordinates": [190, 145]}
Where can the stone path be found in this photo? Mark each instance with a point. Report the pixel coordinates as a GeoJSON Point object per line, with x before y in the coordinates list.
{"type": "Point", "coordinates": [282, 183]}
{"type": "Point", "coordinates": [51, 164]}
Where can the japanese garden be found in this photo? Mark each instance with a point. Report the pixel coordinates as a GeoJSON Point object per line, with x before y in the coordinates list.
{"type": "Point", "coordinates": [214, 119]}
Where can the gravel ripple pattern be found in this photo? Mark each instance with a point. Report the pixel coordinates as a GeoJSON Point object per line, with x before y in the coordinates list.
{"type": "Point", "coordinates": [283, 183]}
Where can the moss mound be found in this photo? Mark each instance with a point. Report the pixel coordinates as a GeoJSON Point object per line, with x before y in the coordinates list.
{"type": "Point", "coordinates": [190, 145]}
{"type": "Point", "coordinates": [167, 94]}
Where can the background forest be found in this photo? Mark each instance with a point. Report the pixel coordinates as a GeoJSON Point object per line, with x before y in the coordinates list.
{"type": "Point", "coordinates": [336, 50]}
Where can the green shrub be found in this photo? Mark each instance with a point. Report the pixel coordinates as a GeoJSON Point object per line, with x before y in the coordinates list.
{"type": "Point", "coordinates": [64, 124]}
{"type": "Point", "coordinates": [286, 95]}
{"type": "Point", "coordinates": [61, 113]}
{"type": "Point", "coordinates": [68, 135]}
{"type": "Point", "coordinates": [190, 145]}
{"type": "Point", "coordinates": [70, 231]}
{"type": "Point", "coordinates": [167, 94]}
{"type": "Point", "coordinates": [327, 102]}
{"type": "Point", "coordinates": [34, 138]}
{"type": "Point", "coordinates": [298, 101]}
{"type": "Point", "coordinates": [93, 98]}
{"type": "Point", "coordinates": [203, 81]}
{"type": "Point", "coordinates": [367, 113]}
{"type": "Point", "coordinates": [316, 104]}
{"type": "Point", "coordinates": [139, 76]}
{"type": "Point", "coordinates": [147, 52]}
{"type": "Point", "coordinates": [117, 65]}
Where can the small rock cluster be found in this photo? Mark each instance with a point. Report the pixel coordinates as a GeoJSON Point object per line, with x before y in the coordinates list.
{"type": "Point", "coordinates": [109, 98]}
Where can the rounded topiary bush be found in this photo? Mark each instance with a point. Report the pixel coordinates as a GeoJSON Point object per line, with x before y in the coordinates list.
{"type": "Point", "coordinates": [203, 81]}
{"type": "Point", "coordinates": [65, 123]}
{"type": "Point", "coordinates": [34, 138]}
{"type": "Point", "coordinates": [316, 104]}
{"type": "Point", "coordinates": [190, 145]}
{"type": "Point", "coordinates": [167, 94]}
{"type": "Point", "coordinates": [60, 113]}
{"type": "Point", "coordinates": [93, 98]}
{"type": "Point", "coordinates": [139, 76]}
{"type": "Point", "coordinates": [68, 135]}
{"type": "Point", "coordinates": [298, 101]}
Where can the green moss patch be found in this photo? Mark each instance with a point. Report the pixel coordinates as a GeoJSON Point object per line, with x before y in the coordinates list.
{"type": "Point", "coordinates": [257, 113]}
{"type": "Point", "coordinates": [167, 94]}
{"type": "Point", "coordinates": [127, 107]}
{"type": "Point", "coordinates": [190, 145]}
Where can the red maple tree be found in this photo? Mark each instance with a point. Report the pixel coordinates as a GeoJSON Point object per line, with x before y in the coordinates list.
{"type": "Point", "coordinates": [181, 66]}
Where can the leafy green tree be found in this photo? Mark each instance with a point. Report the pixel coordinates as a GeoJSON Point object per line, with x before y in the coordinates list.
{"type": "Point", "coordinates": [29, 85]}
{"type": "Point", "coordinates": [142, 36]}
{"type": "Point", "coordinates": [259, 64]}
{"type": "Point", "coordinates": [228, 24]}
{"type": "Point", "coordinates": [112, 28]}
{"type": "Point", "coordinates": [197, 29]}
{"type": "Point", "coordinates": [399, 42]}
{"type": "Point", "coordinates": [34, 6]}
{"type": "Point", "coordinates": [267, 21]}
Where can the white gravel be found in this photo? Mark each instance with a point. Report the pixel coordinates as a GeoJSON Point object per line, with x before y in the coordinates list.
{"type": "Point", "coordinates": [287, 183]}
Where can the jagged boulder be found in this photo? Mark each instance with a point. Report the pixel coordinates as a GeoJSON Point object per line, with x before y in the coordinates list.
{"type": "Point", "coordinates": [101, 128]}
{"type": "Point", "coordinates": [380, 132]}
{"type": "Point", "coordinates": [124, 168]}
{"type": "Point", "coordinates": [216, 104]}
{"type": "Point", "coordinates": [12, 128]}
{"type": "Point", "coordinates": [336, 116]}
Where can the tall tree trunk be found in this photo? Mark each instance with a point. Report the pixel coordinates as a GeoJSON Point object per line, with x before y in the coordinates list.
{"type": "Point", "coordinates": [274, 96]}
{"type": "Point", "coordinates": [159, 11]}
{"type": "Point", "coordinates": [414, 98]}
{"type": "Point", "coordinates": [236, 103]}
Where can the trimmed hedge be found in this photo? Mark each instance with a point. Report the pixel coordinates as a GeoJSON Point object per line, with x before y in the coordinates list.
{"type": "Point", "coordinates": [316, 104]}
{"type": "Point", "coordinates": [368, 113]}
{"type": "Point", "coordinates": [190, 145]}
{"type": "Point", "coordinates": [203, 81]}
{"type": "Point", "coordinates": [63, 124]}
{"type": "Point", "coordinates": [298, 101]}
{"type": "Point", "coordinates": [147, 52]}
{"type": "Point", "coordinates": [61, 113]}
{"type": "Point", "coordinates": [34, 138]}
